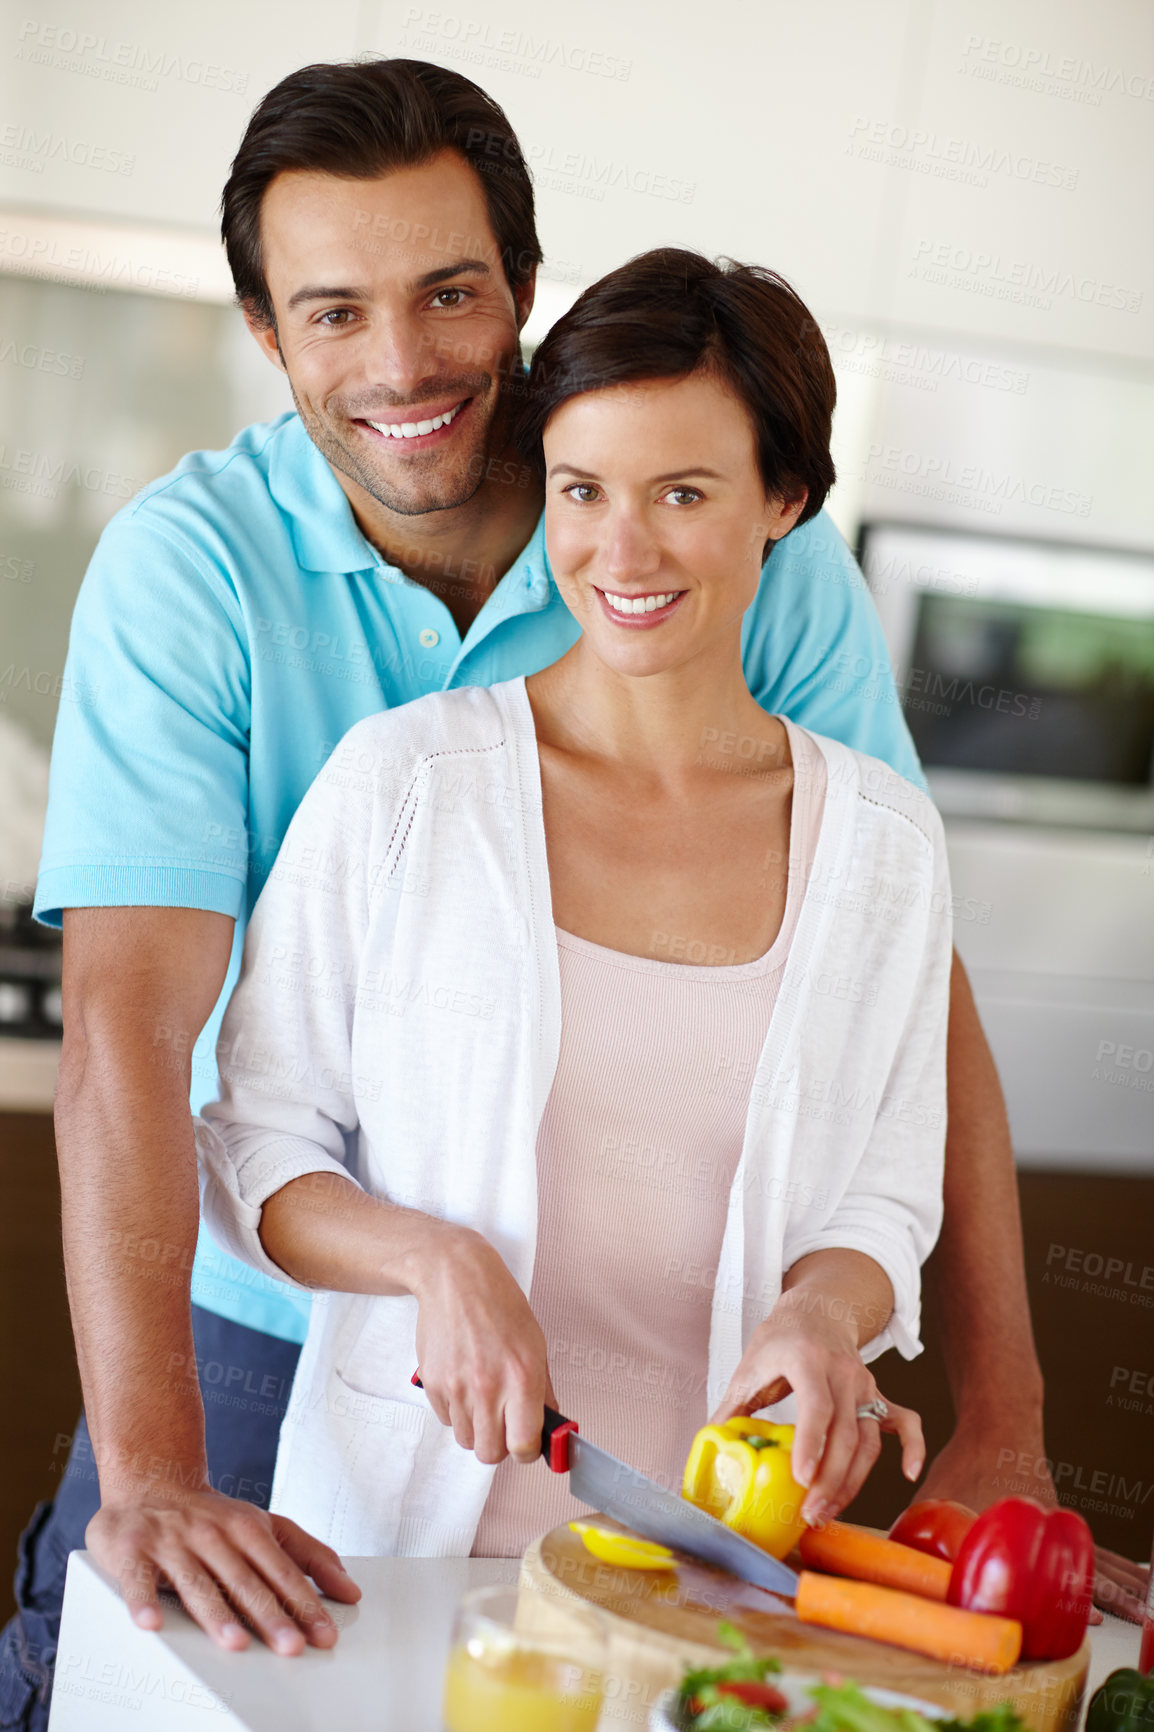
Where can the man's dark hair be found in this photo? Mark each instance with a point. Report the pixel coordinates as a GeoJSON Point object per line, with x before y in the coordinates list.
{"type": "Point", "coordinates": [670, 313]}
{"type": "Point", "coordinates": [362, 118]}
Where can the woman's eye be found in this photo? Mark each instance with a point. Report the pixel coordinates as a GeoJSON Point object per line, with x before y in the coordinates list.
{"type": "Point", "coordinates": [683, 495]}
{"type": "Point", "coordinates": [582, 491]}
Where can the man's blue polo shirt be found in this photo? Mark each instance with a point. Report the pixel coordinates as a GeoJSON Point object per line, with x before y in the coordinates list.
{"type": "Point", "coordinates": [234, 623]}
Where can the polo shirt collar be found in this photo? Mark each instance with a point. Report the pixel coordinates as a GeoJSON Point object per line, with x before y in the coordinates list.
{"type": "Point", "coordinates": [313, 503]}
{"type": "Point", "coordinates": [325, 535]}
{"type": "Point", "coordinates": [527, 583]}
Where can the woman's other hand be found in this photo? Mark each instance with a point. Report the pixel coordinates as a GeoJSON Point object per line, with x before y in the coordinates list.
{"type": "Point", "coordinates": [810, 1344]}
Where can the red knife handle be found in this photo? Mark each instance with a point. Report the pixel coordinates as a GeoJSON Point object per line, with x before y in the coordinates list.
{"type": "Point", "coordinates": [555, 1434]}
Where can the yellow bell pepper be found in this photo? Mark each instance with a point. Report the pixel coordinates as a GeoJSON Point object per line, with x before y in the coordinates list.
{"type": "Point", "coordinates": [739, 1472]}
{"type": "Point", "coordinates": [627, 1551]}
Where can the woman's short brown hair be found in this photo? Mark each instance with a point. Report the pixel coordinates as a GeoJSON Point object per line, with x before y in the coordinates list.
{"type": "Point", "coordinates": [670, 313]}
{"type": "Point", "coordinates": [364, 118]}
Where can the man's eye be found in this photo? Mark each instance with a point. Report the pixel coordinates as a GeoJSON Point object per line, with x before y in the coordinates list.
{"type": "Point", "coordinates": [459, 293]}
{"type": "Point", "coordinates": [335, 317]}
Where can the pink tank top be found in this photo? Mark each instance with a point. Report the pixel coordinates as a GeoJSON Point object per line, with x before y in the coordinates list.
{"type": "Point", "coordinates": [636, 1153]}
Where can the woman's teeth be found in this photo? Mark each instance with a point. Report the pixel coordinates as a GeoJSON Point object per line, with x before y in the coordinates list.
{"type": "Point", "coordinates": [641, 603]}
{"type": "Point", "coordinates": [414, 429]}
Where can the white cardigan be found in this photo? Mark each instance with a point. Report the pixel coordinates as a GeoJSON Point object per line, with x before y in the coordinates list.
{"type": "Point", "coordinates": [398, 1020]}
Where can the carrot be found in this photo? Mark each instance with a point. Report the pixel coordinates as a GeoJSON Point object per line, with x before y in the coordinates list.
{"type": "Point", "coordinates": [975, 1639]}
{"type": "Point", "coordinates": [841, 1549]}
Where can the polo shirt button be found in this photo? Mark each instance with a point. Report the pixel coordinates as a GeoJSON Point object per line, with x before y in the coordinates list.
{"type": "Point", "coordinates": [429, 639]}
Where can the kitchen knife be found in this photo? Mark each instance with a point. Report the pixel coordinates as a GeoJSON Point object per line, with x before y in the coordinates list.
{"type": "Point", "coordinates": [615, 1489]}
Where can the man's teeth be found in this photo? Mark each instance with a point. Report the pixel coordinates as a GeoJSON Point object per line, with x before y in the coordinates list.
{"type": "Point", "coordinates": [414, 429]}
{"type": "Point", "coordinates": [640, 603]}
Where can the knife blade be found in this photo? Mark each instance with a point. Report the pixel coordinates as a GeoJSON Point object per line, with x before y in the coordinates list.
{"type": "Point", "coordinates": [637, 1502]}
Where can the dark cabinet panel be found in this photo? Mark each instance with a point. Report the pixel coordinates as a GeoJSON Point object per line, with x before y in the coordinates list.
{"type": "Point", "coordinates": [1089, 1244]}
{"type": "Point", "coordinates": [38, 1374]}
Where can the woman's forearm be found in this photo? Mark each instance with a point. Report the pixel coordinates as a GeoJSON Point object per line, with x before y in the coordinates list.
{"type": "Point", "coordinates": [845, 1287]}
{"type": "Point", "coordinates": [480, 1351]}
{"type": "Point", "coordinates": [325, 1232]}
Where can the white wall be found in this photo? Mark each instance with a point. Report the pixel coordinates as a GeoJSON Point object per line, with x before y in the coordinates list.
{"type": "Point", "coordinates": [999, 439]}
{"type": "Point", "coordinates": [970, 176]}
{"type": "Point", "coordinates": [959, 188]}
{"type": "Point", "coordinates": [822, 138]}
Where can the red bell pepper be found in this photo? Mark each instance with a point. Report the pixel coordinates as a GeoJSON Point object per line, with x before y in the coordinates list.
{"type": "Point", "coordinates": [1037, 1565]}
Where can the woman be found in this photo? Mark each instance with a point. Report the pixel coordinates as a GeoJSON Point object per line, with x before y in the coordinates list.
{"type": "Point", "coordinates": [544, 1067]}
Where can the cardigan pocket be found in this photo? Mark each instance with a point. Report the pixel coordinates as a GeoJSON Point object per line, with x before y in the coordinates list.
{"type": "Point", "coordinates": [407, 1488]}
{"type": "Point", "coordinates": [345, 1463]}
{"type": "Point", "coordinates": [379, 1442]}
{"type": "Point", "coordinates": [349, 1446]}
{"type": "Point", "coordinates": [375, 1349]}
{"type": "Point", "coordinates": [381, 1435]}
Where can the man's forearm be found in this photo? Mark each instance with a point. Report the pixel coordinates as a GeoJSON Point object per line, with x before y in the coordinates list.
{"type": "Point", "coordinates": [139, 984]}
{"type": "Point", "coordinates": [977, 1270]}
{"type": "Point", "coordinates": [130, 1209]}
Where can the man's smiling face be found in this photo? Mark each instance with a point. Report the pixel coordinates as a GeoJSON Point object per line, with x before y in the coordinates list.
{"type": "Point", "coordinates": [396, 326]}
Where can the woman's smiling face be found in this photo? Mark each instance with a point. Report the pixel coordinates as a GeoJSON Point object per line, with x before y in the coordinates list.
{"type": "Point", "coordinates": [656, 518]}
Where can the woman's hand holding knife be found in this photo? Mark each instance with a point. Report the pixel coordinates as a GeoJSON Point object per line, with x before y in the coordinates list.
{"type": "Point", "coordinates": [482, 1353]}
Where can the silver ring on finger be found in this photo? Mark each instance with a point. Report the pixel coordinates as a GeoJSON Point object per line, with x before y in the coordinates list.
{"type": "Point", "coordinates": [875, 1409]}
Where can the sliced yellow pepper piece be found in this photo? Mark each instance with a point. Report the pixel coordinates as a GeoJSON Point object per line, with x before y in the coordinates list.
{"type": "Point", "coordinates": [624, 1550]}
{"type": "Point", "coordinates": [747, 1483]}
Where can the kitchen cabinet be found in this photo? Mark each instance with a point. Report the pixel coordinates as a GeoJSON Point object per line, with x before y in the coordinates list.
{"type": "Point", "coordinates": [37, 1363]}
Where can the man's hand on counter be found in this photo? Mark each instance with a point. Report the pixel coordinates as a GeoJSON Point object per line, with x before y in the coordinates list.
{"type": "Point", "coordinates": [1120, 1586]}
{"type": "Point", "coordinates": [230, 1563]}
{"type": "Point", "coordinates": [981, 1464]}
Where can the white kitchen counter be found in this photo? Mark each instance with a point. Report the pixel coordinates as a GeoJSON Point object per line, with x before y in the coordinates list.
{"type": "Point", "coordinates": [383, 1676]}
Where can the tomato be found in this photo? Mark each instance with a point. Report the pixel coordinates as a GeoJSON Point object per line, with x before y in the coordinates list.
{"type": "Point", "coordinates": [753, 1694]}
{"type": "Point", "coordinates": [936, 1525]}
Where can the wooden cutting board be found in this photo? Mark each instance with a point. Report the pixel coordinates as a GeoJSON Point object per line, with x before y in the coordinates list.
{"type": "Point", "coordinates": [659, 1622]}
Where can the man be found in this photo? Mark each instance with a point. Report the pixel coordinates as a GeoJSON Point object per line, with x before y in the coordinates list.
{"type": "Point", "coordinates": [237, 618]}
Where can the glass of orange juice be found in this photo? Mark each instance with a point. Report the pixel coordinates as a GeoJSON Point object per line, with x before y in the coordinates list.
{"type": "Point", "coordinates": [505, 1675]}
